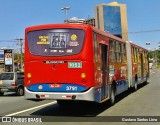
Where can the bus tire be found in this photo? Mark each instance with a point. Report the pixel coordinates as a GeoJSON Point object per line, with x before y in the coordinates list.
{"type": "Point", "coordinates": [136, 85]}
{"type": "Point", "coordinates": [1, 93]}
{"type": "Point", "coordinates": [147, 77]}
{"type": "Point", "coordinates": [112, 95]}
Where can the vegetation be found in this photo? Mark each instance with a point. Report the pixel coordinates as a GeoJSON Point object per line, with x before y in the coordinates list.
{"type": "Point", "coordinates": [155, 55]}
{"type": "Point", "coordinates": [158, 66]}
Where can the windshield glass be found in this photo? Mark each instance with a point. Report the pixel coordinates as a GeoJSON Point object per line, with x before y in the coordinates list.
{"type": "Point", "coordinates": [6, 76]}
{"type": "Point", "coordinates": [55, 42]}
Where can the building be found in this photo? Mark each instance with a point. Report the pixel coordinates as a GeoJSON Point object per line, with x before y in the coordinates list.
{"type": "Point", "coordinates": [1, 57]}
{"type": "Point", "coordinates": [90, 21]}
{"type": "Point", "coordinates": [112, 18]}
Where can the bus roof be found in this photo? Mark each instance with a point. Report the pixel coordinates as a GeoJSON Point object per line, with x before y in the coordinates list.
{"type": "Point", "coordinates": [72, 25]}
{"type": "Point", "coordinates": [108, 34]}
{"type": "Point", "coordinates": [64, 25]}
{"type": "Point", "coordinates": [137, 46]}
{"type": "Point", "coordinates": [78, 25]}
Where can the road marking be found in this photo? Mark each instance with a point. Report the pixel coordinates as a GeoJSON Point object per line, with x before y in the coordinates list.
{"type": "Point", "coordinates": [47, 104]}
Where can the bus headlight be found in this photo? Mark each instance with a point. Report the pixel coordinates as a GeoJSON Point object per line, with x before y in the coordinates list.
{"type": "Point", "coordinates": [29, 75]}
{"type": "Point", "coordinates": [83, 75]}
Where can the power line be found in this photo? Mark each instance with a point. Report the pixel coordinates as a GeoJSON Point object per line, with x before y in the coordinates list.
{"type": "Point", "coordinates": [146, 31]}
{"type": "Point", "coordinates": [132, 32]}
{"type": "Point", "coordinates": [7, 40]}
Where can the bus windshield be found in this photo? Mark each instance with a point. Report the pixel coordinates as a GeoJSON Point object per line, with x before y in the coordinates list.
{"type": "Point", "coordinates": [55, 42]}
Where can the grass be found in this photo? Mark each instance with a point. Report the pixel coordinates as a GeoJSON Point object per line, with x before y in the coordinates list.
{"type": "Point", "coordinates": [158, 66]}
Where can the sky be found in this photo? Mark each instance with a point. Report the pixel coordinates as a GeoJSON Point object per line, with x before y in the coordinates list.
{"type": "Point", "coordinates": [16, 15]}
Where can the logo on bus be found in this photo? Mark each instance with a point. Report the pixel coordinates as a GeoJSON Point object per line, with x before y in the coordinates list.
{"type": "Point", "coordinates": [74, 37]}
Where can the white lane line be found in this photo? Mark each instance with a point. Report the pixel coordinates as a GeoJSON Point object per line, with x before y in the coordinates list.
{"type": "Point", "coordinates": [47, 104]}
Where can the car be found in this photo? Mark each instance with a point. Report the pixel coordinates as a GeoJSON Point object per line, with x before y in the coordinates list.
{"type": "Point", "coordinates": [12, 82]}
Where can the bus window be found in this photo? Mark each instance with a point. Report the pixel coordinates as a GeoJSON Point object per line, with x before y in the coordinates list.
{"type": "Point", "coordinates": [55, 42]}
{"type": "Point", "coordinates": [95, 47]}
{"type": "Point", "coordinates": [118, 49]}
{"type": "Point", "coordinates": [112, 51]}
{"type": "Point", "coordinates": [123, 53]}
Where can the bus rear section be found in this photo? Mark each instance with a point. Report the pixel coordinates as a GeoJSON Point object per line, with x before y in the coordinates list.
{"type": "Point", "coordinates": [59, 64]}
{"type": "Point", "coordinates": [138, 71]}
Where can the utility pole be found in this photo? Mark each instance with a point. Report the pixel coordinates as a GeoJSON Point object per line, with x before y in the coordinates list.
{"type": "Point", "coordinates": [20, 40]}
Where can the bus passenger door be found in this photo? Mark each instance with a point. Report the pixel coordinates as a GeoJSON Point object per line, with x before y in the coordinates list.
{"type": "Point", "coordinates": [104, 69]}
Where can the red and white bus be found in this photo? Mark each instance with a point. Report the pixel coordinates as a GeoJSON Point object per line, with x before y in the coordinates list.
{"type": "Point", "coordinates": [79, 62]}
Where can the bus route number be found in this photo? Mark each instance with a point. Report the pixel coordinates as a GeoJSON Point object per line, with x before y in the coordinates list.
{"type": "Point", "coordinates": [71, 88]}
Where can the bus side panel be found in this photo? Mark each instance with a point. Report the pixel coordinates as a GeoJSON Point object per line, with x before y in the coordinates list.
{"type": "Point", "coordinates": [120, 76]}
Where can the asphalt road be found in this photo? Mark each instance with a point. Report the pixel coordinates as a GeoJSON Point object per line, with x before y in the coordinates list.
{"type": "Point", "coordinates": [11, 103]}
{"type": "Point", "coordinates": [144, 102]}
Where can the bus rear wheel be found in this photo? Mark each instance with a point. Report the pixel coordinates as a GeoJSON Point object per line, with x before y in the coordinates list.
{"type": "Point", "coordinates": [135, 85]}
{"type": "Point", "coordinates": [112, 95]}
{"type": "Point", "coordinates": [1, 93]}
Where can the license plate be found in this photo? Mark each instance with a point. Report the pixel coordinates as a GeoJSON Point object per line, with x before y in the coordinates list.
{"type": "Point", "coordinates": [74, 64]}
{"type": "Point", "coordinates": [55, 85]}
{"type": "Point", "coordinates": [4, 90]}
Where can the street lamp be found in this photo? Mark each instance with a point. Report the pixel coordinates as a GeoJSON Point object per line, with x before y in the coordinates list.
{"type": "Point", "coordinates": [148, 43]}
{"type": "Point", "coordinates": [65, 9]}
